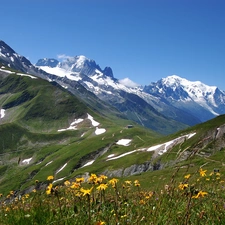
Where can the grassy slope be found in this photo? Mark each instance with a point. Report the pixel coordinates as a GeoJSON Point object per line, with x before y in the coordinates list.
{"type": "Point", "coordinates": [214, 159]}
{"type": "Point", "coordinates": [35, 110]}
{"type": "Point", "coordinates": [44, 108]}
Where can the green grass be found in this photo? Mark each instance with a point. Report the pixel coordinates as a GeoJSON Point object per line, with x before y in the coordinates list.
{"type": "Point", "coordinates": [29, 129]}
{"type": "Point", "coordinates": [195, 197]}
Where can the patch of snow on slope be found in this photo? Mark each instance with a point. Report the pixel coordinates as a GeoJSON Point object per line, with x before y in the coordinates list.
{"type": "Point", "coordinates": [26, 75]}
{"type": "Point", "coordinates": [56, 71]}
{"type": "Point", "coordinates": [162, 148]}
{"type": "Point", "coordinates": [122, 155]}
{"type": "Point", "coordinates": [72, 125]}
{"type": "Point", "coordinates": [94, 123]}
{"type": "Point", "coordinates": [61, 168]}
{"type": "Point", "coordinates": [26, 161]}
{"type": "Point", "coordinates": [58, 180]}
{"type": "Point", "coordinates": [153, 148]}
{"type": "Point", "coordinates": [88, 163]}
{"type": "Point", "coordinates": [60, 72]}
{"type": "Point", "coordinates": [190, 135]}
{"type": "Point", "coordinates": [7, 71]}
{"type": "Point", "coordinates": [1, 54]}
{"type": "Point", "coordinates": [110, 156]}
{"type": "Point", "coordinates": [100, 131]}
{"type": "Point", "coordinates": [64, 86]}
{"type": "Point", "coordinates": [48, 163]}
{"type": "Point", "coordinates": [80, 61]}
{"type": "Point", "coordinates": [2, 113]}
{"type": "Point", "coordinates": [124, 142]}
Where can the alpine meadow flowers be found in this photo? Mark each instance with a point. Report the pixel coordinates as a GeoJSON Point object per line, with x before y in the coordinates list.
{"type": "Point", "coordinates": [194, 198]}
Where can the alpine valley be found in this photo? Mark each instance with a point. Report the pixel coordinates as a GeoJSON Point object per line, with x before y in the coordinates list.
{"type": "Point", "coordinates": [73, 118]}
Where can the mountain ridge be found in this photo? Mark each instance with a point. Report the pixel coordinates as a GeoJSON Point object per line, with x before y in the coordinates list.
{"type": "Point", "coordinates": [198, 96]}
{"type": "Point", "coordinates": [174, 103]}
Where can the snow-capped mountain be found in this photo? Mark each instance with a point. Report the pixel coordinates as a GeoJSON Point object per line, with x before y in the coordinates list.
{"type": "Point", "coordinates": [123, 95]}
{"type": "Point", "coordinates": [76, 66]}
{"type": "Point", "coordinates": [166, 106]}
{"type": "Point", "coordinates": [174, 97]}
{"type": "Point", "coordinates": [203, 101]}
{"type": "Point", "coordinates": [127, 97]}
{"type": "Point", "coordinates": [9, 58]}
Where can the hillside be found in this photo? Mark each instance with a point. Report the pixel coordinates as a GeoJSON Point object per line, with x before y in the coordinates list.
{"type": "Point", "coordinates": [47, 131]}
{"type": "Point", "coordinates": [45, 127]}
{"type": "Point", "coordinates": [57, 127]}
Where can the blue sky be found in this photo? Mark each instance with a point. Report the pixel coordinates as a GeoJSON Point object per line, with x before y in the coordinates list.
{"type": "Point", "coordinates": [144, 40]}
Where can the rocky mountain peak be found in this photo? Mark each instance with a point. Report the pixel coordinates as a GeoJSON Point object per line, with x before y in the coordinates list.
{"type": "Point", "coordinates": [108, 71]}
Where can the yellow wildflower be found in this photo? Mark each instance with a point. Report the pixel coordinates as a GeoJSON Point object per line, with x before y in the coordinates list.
{"type": "Point", "coordinates": [142, 202]}
{"type": "Point", "coordinates": [182, 186]}
{"type": "Point", "coordinates": [1, 195]}
{"type": "Point", "coordinates": [79, 179]}
{"type": "Point", "coordinates": [202, 172]}
{"type": "Point", "coordinates": [102, 187]}
{"type": "Point", "coordinates": [7, 209]}
{"type": "Point", "coordinates": [200, 194]}
{"type": "Point", "coordinates": [103, 177]}
{"type": "Point", "coordinates": [187, 176]}
{"type": "Point", "coordinates": [27, 195]}
{"type": "Point", "coordinates": [49, 189]}
{"type": "Point", "coordinates": [98, 180]}
{"type": "Point", "coordinates": [136, 183]}
{"type": "Point", "coordinates": [113, 182]}
{"type": "Point", "coordinates": [50, 177]}
{"type": "Point", "coordinates": [92, 178]}
{"type": "Point", "coordinates": [86, 191]}
{"type": "Point", "coordinates": [78, 194]}
{"type": "Point", "coordinates": [149, 195]}
{"type": "Point", "coordinates": [67, 183]}
{"type": "Point", "coordinates": [75, 185]}
{"type": "Point", "coordinates": [36, 181]}
{"type": "Point", "coordinates": [127, 182]}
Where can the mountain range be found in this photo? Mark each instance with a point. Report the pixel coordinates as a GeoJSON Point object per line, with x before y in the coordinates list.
{"type": "Point", "coordinates": [166, 106]}
{"type": "Point", "coordinates": [173, 97]}
{"type": "Point", "coordinates": [73, 118]}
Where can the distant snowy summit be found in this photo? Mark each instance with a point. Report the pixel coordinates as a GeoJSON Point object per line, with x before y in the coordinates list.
{"type": "Point", "coordinates": [203, 101]}
{"type": "Point", "coordinates": [177, 88]}
{"type": "Point", "coordinates": [78, 64]}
